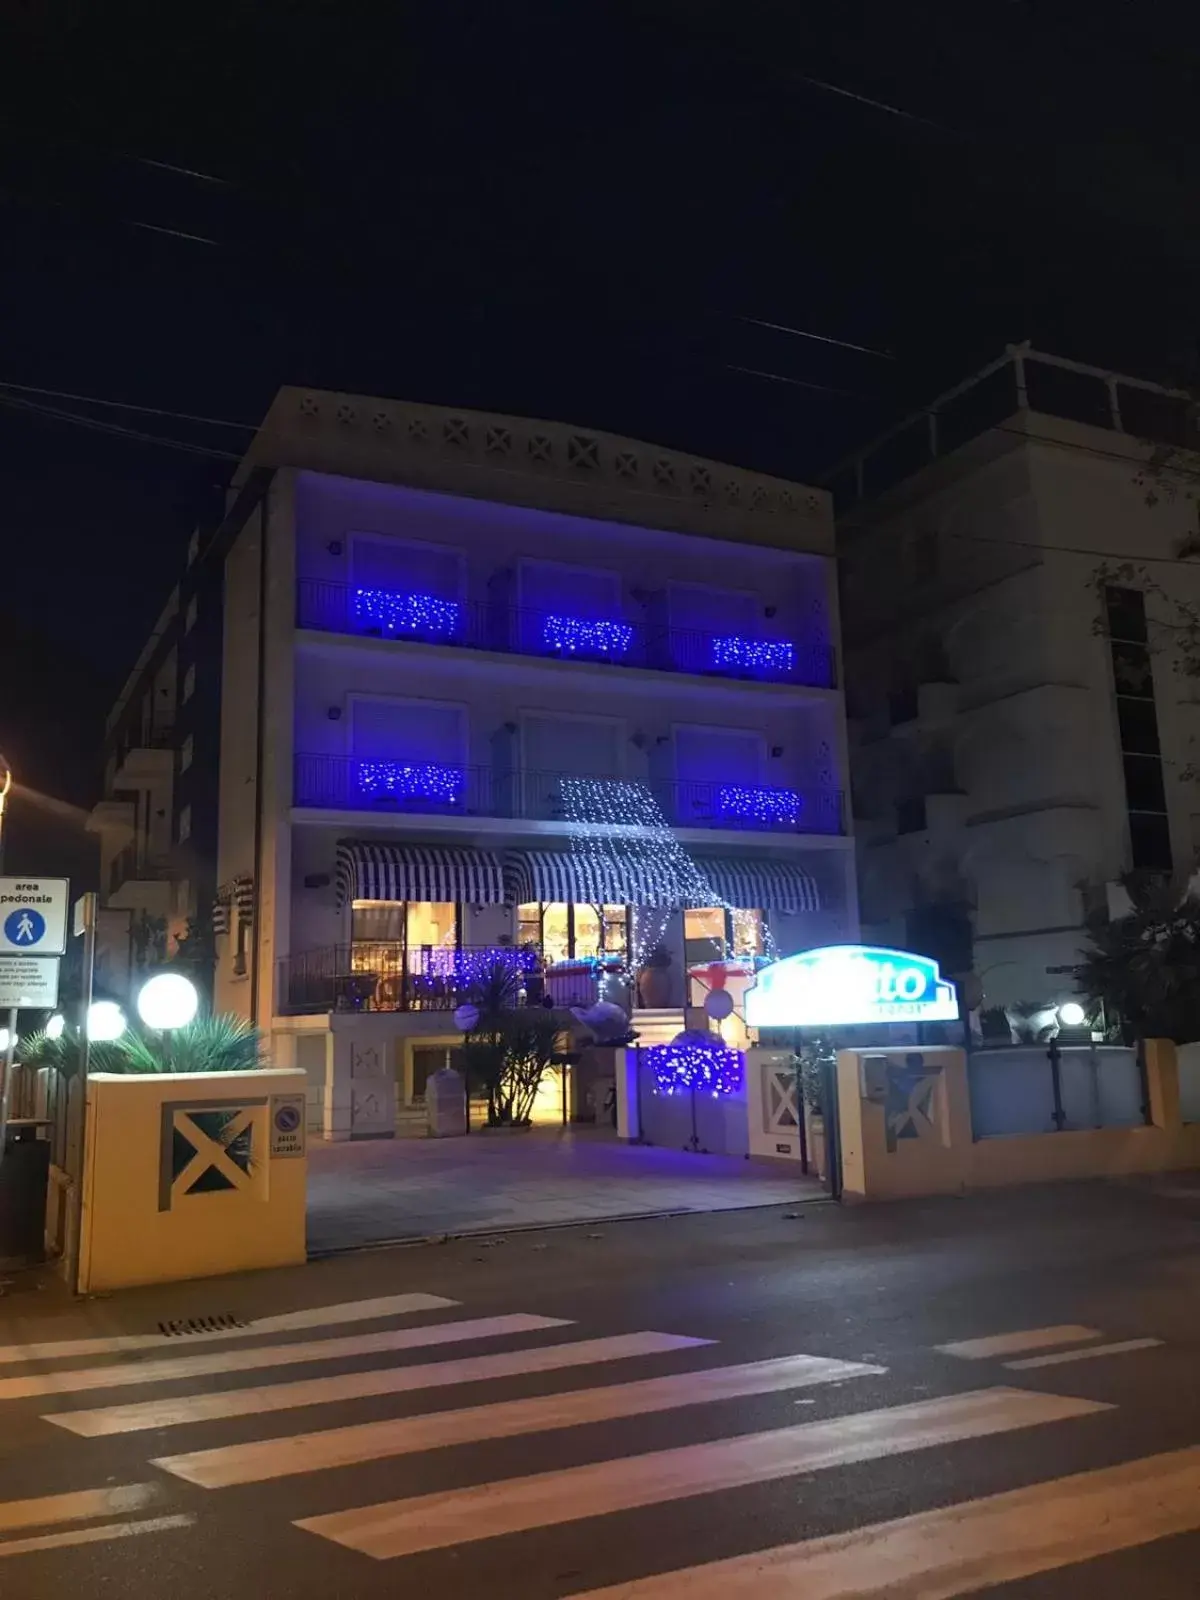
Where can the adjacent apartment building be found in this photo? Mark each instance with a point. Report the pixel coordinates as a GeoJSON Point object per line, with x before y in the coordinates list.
{"type": "Point", "coordinates": [157, 820]}
{"type": "Point", "coordinates": [498, 690]}
{"type": "Point", "coordinates": [1022, 734]}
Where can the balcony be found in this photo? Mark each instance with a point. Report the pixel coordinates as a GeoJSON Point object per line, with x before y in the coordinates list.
{"type": "Point", "coordinates": [400, 788]}
{"type": "Point", "coordinates": [146, 757]}
{"type": "Point", "coordinates": [374, 976]}
{"type": "Point", "coordinates": [424, 618]}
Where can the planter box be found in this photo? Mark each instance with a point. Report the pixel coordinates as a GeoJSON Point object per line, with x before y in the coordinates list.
{"type": "Point", "coordinates": [190, 1175]}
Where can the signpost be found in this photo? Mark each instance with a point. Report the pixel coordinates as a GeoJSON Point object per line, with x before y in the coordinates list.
{"type": "Point", "coordinates": [28, 983]}
{"type": "Point", "coordinates": [33, 916]}
{"type": "Point", "coordinates": [33, 934]}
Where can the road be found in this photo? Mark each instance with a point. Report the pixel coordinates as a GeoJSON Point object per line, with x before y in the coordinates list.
{"type": "Point", "coordinates": [995, 1394]}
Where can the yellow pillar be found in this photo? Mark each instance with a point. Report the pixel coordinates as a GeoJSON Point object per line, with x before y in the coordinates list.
{"type": "Point", "coordinates": [1162, 1083]}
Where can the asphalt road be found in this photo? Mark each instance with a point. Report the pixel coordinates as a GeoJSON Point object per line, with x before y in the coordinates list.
{"type": "Point", "coordinates": [612, 1411]}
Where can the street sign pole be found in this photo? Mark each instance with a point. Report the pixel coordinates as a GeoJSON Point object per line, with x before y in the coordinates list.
{"type": "Point", "coordinates": [85, 920]}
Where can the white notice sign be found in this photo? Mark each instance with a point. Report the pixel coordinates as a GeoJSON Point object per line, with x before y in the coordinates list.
{"type": "Point", "coordinates": [33, 916]}
{"type": "Point", "coordinates": [28, 983]}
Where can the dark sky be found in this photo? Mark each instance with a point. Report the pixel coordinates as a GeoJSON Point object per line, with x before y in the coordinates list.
{"type": "Point", "coordinates": [561, 209]}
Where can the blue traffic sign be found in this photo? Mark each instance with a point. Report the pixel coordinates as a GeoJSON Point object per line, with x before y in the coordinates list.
{"type": "Point", "coordinates": [25, 928]}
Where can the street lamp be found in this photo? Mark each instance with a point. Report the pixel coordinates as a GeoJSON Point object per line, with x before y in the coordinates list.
{"type": "Point", "coordinates": [1071, 1014]}
{"type": "Point", "coordinates": [105, 1021]}
{"type": "Point", "coordinates": [54, 1028]}
{"type": "Point", "coordinates": [167, 1001]}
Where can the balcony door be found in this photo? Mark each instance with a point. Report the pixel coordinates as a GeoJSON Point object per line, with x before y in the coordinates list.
{"type": "Point", "coordinates": [409, 753]}
{"type": "Point", "coordinates": [557, 748]}
{"type": "Point", "coordinates": [710, 761]}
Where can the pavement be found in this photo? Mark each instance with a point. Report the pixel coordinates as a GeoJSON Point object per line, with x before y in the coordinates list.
{"type": "Point", "coordinates": [992, 1395]}
{"type": "Point", "coordinates": [383, 1190]}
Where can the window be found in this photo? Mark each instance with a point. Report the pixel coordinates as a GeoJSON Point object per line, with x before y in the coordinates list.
{"type": "Point", "coordinates": [713, 933]}
{"type": "Point", "coordinates": [189, 683]}
{"type": "Point", "coordinates": [185, 823]}
{"type": "Point", "coordinates": [1137, 727]}
{"type": "Point", "coordinates": [573, 932]}
{"type": "Point", "coordinates": [185, 753]}
{"type": "Point", "coordinates": [190, 615]}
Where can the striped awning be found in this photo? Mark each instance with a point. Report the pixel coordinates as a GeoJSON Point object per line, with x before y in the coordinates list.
{"type": "Point", "coordinates": [369, 871]}
{"type": "Point", "coordinates": [749, 884]}
{"type": "Point", "coordinates": [625, 878]}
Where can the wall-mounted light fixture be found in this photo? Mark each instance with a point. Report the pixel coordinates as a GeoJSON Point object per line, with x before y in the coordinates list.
{"type": "Point", "coordinates": [334, 713]}
{"type": "Point", "coordinates": [334, 547]}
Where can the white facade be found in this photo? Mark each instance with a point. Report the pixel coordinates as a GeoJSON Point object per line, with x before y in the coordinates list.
{"type": "Point", "coordinates": [469, 623]}
{"type": "Point", "coordinates": [1015, 747]}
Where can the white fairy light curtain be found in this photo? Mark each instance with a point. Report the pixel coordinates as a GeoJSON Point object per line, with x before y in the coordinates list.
{"type": "Point", "coordinates": [604, 814]}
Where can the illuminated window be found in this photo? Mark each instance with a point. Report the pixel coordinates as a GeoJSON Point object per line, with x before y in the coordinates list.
{"type": "Point", "coordinates": [712, 933]}
{"type": "Point", "coordinates": [565, 932]}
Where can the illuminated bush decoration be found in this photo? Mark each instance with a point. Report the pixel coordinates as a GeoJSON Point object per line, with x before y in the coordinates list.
{"type": "Point", "coordinates": [426, 780]}
{"type": "Point", "coordinates": [698, 1063]}
{"type": "Point", "coordinates": [759, 808]}
{"type": "Point", "coordinates": [581, 636]}
{"type": "Point", "coordinates": [764, 658]}
{"type": "Point", "coordinates": [394, 613]}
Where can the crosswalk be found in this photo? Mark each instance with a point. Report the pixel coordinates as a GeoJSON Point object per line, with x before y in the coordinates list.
{"type": "Point", "coordinates": [579, 1381]}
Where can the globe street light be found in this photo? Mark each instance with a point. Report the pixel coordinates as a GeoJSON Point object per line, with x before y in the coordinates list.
{"type": "Point", "coordinates": [1071, 1014]}
{"type": "Point", "coordinates": [167, 1001]}
{"type": "Point", "coordinates": [54, 1028]}
{"type": "Point", "coordinates": [105, 1021]}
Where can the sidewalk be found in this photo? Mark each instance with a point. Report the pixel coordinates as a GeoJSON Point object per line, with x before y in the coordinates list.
{"type": "Point", "coordinates": [404, 1189]}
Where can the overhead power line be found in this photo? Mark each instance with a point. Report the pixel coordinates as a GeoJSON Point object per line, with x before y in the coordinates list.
{"type": "Point", "coordinates": [115, 428]}
{"type": "Point", "coordinates": [821, 338]}
{"type": "Point", "coordinates": [127, 405]}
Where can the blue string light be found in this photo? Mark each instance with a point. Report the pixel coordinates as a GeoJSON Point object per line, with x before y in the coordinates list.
{"type": "Point", "coordinates": [766, 658]}
{"type": "Point", "coordinates": [394, 612]}
{"type": "Point", "coordinates": [696, 1063]}
{"type": "Point", "coordinates": [426, 780]}
{"type": "Point", "coordinates": [582, 636]}
{"type": "Point", "coordinates": [747, 807]}
{"type": "Point", "coordinates": [472, 965]}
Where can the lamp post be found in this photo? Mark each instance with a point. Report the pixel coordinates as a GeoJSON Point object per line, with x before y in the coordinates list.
{"type": "Point", "coordinates": [168, 1001]}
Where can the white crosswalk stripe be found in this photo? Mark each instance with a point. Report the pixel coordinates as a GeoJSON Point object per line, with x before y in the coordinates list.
{"type": "Point", "coordinates": [953, 1550]}
{"type": "Point", "coordinates": [372, 1441]}
{"type": "Point", "coordinates": [957, 1550]}
{"type": "Point", "coordinates": [392, 1305]}
{"type": "Point", "coordinates": [138, 1373]}
{"type": "Point", "coordinates": [32, 1518]}
{"type": "Point", "coordinates": [359, 1385]}
{"type": "Point", "coordinates": [430, 1522]}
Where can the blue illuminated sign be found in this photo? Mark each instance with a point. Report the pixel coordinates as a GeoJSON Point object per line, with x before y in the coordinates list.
{"type": "Point", "coordinates": [849, 983]}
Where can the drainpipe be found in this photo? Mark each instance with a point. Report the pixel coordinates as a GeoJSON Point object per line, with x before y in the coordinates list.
{"type": "Point", "coordinates": [264, 507]}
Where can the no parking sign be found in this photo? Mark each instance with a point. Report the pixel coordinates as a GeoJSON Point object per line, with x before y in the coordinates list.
{"type": "Point", "coordinates": [287, 1125]}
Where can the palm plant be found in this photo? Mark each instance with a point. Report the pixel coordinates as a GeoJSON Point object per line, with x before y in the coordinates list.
{"type": "Point", "coordinates": [208, 1044]}
{"type": "Point", "coordinates": [1144, 967]}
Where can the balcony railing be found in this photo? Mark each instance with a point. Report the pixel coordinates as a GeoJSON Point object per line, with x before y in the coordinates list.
{"type": "Point", "coordinates": [130, 865]}
{"type": "Point", "coordinates": [394, 614]}
{"type": "Point", "coordinates": [350, 783]}
{"type": "Point", "coordinates": [388, 976]}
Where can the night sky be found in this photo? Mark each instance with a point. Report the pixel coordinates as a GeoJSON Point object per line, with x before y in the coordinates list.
{"type": "Point", "coordinates": [567, 210]}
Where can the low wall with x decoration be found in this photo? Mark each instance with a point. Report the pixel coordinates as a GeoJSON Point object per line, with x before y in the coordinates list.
{"type": "Point", "coordinates": [191, 1175]}
{"type": "Point", "coordinates": [907, 1129]}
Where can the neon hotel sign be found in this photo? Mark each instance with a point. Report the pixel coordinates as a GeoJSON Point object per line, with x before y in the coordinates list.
{"type": "Point", "coordinates": [849, 983]}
